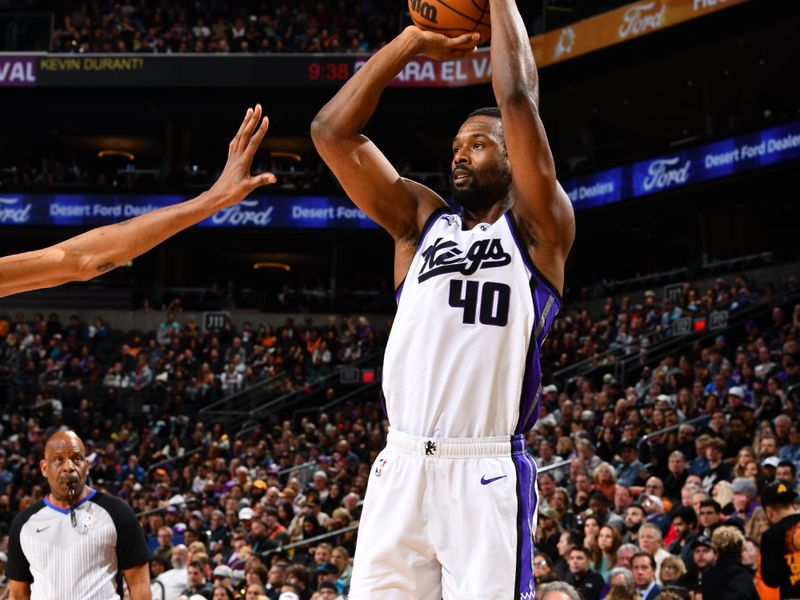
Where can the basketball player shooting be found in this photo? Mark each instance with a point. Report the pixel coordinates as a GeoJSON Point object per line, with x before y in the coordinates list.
{"type": "Point", "coordinates": [450, 511]}
{"type": "Point", "coordinates": [105, 248]}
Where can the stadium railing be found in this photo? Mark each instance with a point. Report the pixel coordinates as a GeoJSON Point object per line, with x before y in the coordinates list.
{"type": "Point", "coordinates": [365, 390]}
{"type": "Point", "coordinates": [304, 396]}
{"type": "Point", "coordinates": [243, 402]}
{"type": "Point", "coordinates": [619, 362]}
{"type": "Point", "coordinates": [631, 366]}
{"type": "Point", "coordinates": [553, 467]}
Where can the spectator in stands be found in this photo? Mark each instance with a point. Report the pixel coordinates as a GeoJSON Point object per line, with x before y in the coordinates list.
{"type": "Point", "coordinates": [704, 555]}
{"type": "Point", "coordinates": [548, 532]}
{"type": "Point", "coordinates": [543, 569]}
{"type": "Point", "coordinates": [684, 522]}
{"type": "Point", "coordinates": [566, 543]}
{"type": "Point", "coordinates": [718, 470]}
{"type": "Point", "coordinates": [621, 585]}
{"type": "Point", "coordinates": [778, 543]}
{"type": "Point", "coordinates": [650, 542]}
{"type": "Point", "coordinates": [604, 551]}
{"type": "Point", "coordinates": [672, 568]}
{"type": "Point", "coordinates": [634, 518]}
{"type": "Point", "coordinates": [196, 582]}
{"type": "Point", "coordinates": [558, 590]}
{"type": "Point", "coordinates": [791, 450]}
{"type": "Point", "coordinates": [709, 516]}
{"type": "Point", "coordinates": [728, 578]}
{"type": "Point", "coordinates": [630, 469]}
{"type": "Point", "coordinates": [675, 480]}
{"type": "Point", "coordinates": [582, 577]}
{"type": "Point", "coordinates": [643, 566]}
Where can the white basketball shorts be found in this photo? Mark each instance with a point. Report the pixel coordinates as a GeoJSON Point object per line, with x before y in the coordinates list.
{"type": "Point", "coordinates": [450, 519]}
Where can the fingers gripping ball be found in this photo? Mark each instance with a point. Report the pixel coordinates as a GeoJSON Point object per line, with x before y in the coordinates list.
{"type": "Point", "coordinates": [452, 17]}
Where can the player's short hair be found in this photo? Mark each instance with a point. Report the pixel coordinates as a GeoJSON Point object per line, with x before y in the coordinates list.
{"type": "Point", "coordinates": [486, 111]}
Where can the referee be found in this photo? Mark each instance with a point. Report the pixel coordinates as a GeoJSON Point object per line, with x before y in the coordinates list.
{"type": "Point", "coordinates": [77, 543]}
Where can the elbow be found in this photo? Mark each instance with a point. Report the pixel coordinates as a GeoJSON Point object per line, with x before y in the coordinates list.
{"type": "Point", "coordinates": [323, 128]}
{"type": "Point", "coordinates": [319, 129]}
{"type": "Point", "coordinates": [81, 270]}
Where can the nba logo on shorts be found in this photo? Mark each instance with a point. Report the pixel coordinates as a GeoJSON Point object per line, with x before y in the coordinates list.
{"type": "Point", "coordinates": [379, 467]}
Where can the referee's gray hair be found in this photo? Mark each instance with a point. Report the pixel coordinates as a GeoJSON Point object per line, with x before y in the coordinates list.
{"type": "Point", "coordinates": [558, 586]}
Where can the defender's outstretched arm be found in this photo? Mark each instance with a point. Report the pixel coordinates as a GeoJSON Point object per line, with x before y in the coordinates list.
{"type": "Point", "coordinates": [104, 248]}
{"type": "Point", "coordinates": [542, 206]}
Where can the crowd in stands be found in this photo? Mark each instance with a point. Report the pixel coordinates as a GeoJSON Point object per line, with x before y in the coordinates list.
{"type": "Point", "coordinates": [168, 26]}
{"type": "Point", "coordinates": [291, 295]}
{"type": "Point", "coordinates": [628, 328]}
{"type": "Point", "coordinates": [626, 517]}
{"type": "Point", "coordinates": [61, 170]}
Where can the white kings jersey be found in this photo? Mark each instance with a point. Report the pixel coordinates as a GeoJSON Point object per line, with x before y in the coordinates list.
{"type": "Point", "coordinates": [463, 355]}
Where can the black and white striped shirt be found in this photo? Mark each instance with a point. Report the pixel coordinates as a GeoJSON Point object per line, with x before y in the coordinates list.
{"type": "Point", "coordinates": [85, 561]}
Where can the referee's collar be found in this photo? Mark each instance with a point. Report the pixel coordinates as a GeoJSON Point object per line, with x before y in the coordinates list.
{"type": "Point", "coordinates": [65, 511]}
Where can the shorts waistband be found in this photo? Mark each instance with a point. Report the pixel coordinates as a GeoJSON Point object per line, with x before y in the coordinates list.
{"type": "Point", "coordinates": [433, 447]}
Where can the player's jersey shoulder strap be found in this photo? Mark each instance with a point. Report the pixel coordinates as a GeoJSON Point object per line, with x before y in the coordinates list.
{"type": "Point", "coordinates": [528, 260]}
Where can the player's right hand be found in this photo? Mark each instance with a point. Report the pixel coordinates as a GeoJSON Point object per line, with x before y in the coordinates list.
{"type": "Point", "coordinates": [440, 47]}
{"type": "Point", "coordinates": [236, 182]}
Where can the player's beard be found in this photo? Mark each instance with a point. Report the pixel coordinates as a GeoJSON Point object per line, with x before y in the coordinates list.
{"type": "Point", "coordinates": [484, 192]}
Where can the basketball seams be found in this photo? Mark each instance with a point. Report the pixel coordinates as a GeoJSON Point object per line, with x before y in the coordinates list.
{"type": "Point", "coordinates": [458, 12]}
{"type": "Point", "coordinates": [483, 12]}
{"type": "Point", "coordinates": [445, 29]}
{"type": "Point", "coordinates": [478, 21]}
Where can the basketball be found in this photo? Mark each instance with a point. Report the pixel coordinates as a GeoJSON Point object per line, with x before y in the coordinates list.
{"type": "Point", "coordinates": [452, 17]}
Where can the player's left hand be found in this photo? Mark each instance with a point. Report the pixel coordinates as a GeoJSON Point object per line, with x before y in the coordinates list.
{"type": "Point", "coordinates": [236, 182]}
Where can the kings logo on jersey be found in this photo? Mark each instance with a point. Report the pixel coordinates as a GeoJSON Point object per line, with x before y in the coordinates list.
{"type": "Point", "coordinates": [446, 256]}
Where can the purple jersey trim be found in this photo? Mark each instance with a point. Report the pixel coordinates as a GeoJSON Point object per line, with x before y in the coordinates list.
{"type": "Point", "coordinates": [526, 257]}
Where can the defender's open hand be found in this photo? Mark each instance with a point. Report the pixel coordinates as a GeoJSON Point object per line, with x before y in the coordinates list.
{"type": "Point", "coordinates": [236, 182]}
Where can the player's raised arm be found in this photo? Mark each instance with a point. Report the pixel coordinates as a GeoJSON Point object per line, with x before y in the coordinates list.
{"type": "Point", "coordinates": [97, 251]}
{"type": "Point", "coordinates": [541, 204]}
{"type": "Point", "coordinates": [399, 206]}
